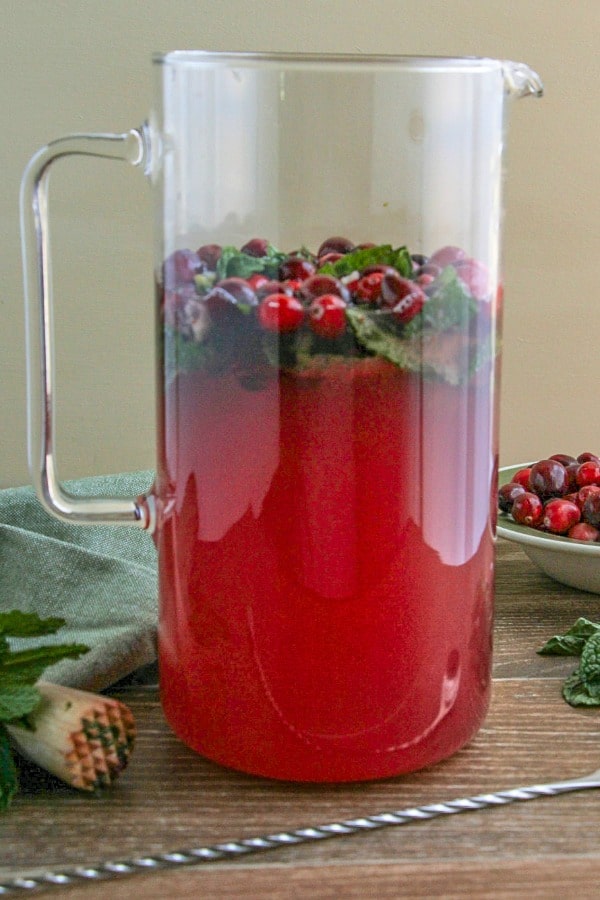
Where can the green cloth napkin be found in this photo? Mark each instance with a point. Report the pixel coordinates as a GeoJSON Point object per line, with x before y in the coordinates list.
{"type": "Point", "coordinates": [101, 579]}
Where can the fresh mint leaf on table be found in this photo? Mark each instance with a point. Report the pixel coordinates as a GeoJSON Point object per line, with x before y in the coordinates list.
{"type": "Point", "coordinates": [19, 671]}
{"type": "Point", "coordinates": [582, 688]}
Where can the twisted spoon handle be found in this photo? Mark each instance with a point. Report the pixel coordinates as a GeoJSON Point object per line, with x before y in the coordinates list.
{"type": "Point", "coordinates": [245, 846]}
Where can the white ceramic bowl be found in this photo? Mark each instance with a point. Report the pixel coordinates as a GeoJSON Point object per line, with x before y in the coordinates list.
{"type": "Point", "coordinates": [575, 563]}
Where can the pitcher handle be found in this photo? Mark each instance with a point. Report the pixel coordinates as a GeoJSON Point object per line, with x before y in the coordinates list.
{"type": "Point", "coordinates": [133, 147]}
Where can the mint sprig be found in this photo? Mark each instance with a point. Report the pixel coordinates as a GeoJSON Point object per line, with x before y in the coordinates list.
{"type": "Point", "coordinates": [582, 688]}
{"type": "Point", "coordinates": [19, 671]}
{"type": "Point", "coordinates": [357, 260]}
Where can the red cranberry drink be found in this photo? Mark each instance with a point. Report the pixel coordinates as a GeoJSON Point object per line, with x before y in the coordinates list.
{"type": "Point", "coordinates": [326, 475]}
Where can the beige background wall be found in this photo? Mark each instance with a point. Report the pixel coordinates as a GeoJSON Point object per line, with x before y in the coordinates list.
{"type": "Point", "coordinates": [73, 65]}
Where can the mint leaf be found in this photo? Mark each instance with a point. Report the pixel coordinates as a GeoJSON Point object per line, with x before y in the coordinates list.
{"type": "Point", "coordinates": [9, 782]}
{"type": "Point", "coordinates": [15, 623]}
{"type": "Point", "coordinates": [589, 667]}
{"type": "Point", "coordinates": [17, 700]}
{"type": "Point", "coordinates": [377, 340]}
{"type": "Point", "coordinates": [572, 642]}
{"type": "Point", "coordinates": [234, 263]}
{"type": "Point", "coordinates": [578, 692]}
{"type": "Point", "coordinates": [357, 260]}
{"type": "Point", "coordinates": [450, 305]}
{"type": "Point", "coordinates": [26, 666]}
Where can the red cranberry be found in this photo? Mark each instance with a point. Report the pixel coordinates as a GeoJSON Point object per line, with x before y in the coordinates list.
{"type": "Point", "coordinates": [317, 285]}
{"type": "Point", "coordinates": [588, 473]}
{"type": "Point", "coordinates": [257, 247]}
{"type": "Point", "coordinates": [329, 258]}
{"type": "Point", "coordinates": [548, 478]}
{"type": "Point", "coordinates": [210, 254]}
{"type": "Point", "coordinates": [528, 509]}
{"type": "Point", "coordinates": [447, 256]}
{"type": "Point", "coordinates": [368, 270]}
{"type": "Point", "coordinates": [590, 511]}
{"type": "Point", "coordinates": [522, 477]}
{"type": "Point", "coordinates": [368, 288]}
{"type": "Point", "coordinates": [240, 290]}
{"type": "Point", "coordinates": [404, 296]}
{"type": "Point", "coordinates": [257, 281]}
{"type": "Point", "coordinates": [394, 287]}
{"type": "Point", "coordinates": [269, 287]}
{"type": "Point", "coordinates": [410, 306]}
{"type": "Point", "coordinates": [587, 457]}
{"type": "Point", "coordinates": [560, 515]}
{"type": "Point", "coordinates": [583, 532]}
{"type": "Point", "coordinates": [280, 313]}
{"type": "Point", "coordinates": [295, 267]}
{"type": "Point", "coordinates": [572, 469]}
{"type": "Point", "coordinates": [222, 306]}
{"type": "Point", "coordinates": [507, 493]}
{"type": "Point", "coordinates": [181, 267]}
{"type": "Point", "coordinates": [335, 244]}
{"type": "Point", "coordinates": [429, 269]}
{"type": "Point", "coordinates": [584, 492]}
{"type": "Point", "coordinates": [328, 316]}
{"type": "Point", "coordinates": [563, 458]}
{"type": "Point", "coordinates": [475, 276]}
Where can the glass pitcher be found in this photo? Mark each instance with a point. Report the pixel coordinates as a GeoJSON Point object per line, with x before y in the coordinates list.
{"type": "Point", "coordinates": [328, 305]}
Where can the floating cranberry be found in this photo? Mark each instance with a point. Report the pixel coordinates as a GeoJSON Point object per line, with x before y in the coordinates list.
{"type": "Point", "coordinates": [548, 478]}
{"type": "Point", "coordinates": [405, 298]}
{"type": "Point", "coordinates": [280, 313]}
{"type": "Point", "coordinates": [327, 316]}
{"type": "Point", "coordinates": [410, 306]}
{"type": "Point", "coordinates": [240, 290]}
{"type": "Point", "coordinates": [507, 495]}
{"type": "Point", "coordinates": [447, 256]}
{"type": "Point", "coordinates": [368, 270]}
{"type": "Point", "coordinates": [258, 281]}
{"type": "Point", "coordinates": [475, 276]}
{"type": "Point", "coordinates": [269, 287]}
{"type": "Point", "coordinates": [583, 532]}
{"type": "Point", "coordinates": [560, 515]}
{"type": "Point", "coordinates": [296, 267]}
{"type": "Point", "coordinates": [317, 285]}
{"type": "Point", "coordinates": [528, 509]}
{"type": "Point", "coordinates": [419, 260]}
{"type": "Point", "coordinates": [257, 247]}
{"type": "Point", "coordinates": [368, 288]}
{"type": "Point", "coordinates": [210, 254]}
{"type": "Point", "coordinates": [429, 269]}
{"type": "Point", "coordinates": [588, 473]}
{"type": "Point", "coordinates": [329, 258]}
{"type": "Point", "coordinates": [222, 306]}
{"type": "Point", "coordinates": [335, 244]}
{"type": "Point", "coordinates": [181, 267]}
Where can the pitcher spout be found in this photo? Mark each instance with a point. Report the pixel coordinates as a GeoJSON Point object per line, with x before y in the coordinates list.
{"type": "Point", "coordinates": [521, 81]}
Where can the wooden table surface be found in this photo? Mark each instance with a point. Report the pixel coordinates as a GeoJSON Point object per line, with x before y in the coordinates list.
{"type": "Point", "coordinates": [169, 798]}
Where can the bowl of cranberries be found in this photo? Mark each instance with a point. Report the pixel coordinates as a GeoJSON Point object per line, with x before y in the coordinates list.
{"type": "Point", "coordinates": [552, 508]}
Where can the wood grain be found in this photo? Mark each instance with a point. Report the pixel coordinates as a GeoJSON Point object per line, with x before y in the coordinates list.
{"type": "Point", "coordinates": [170, 798]}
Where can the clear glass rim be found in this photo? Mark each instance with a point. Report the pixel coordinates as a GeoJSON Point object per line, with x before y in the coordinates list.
{"type": "Point", "coordinates": [325, 60]}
